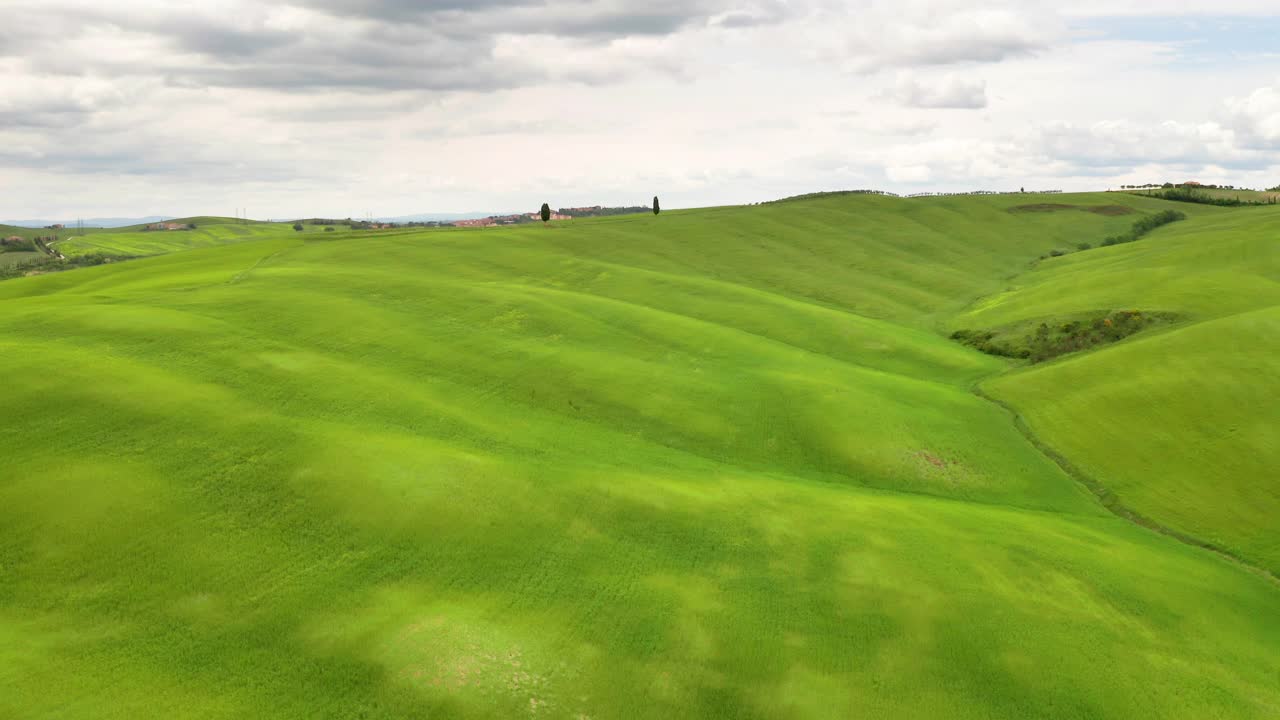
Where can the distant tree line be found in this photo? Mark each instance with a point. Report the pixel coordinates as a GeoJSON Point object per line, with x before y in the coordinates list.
{"type": "Point", "coordinates": [48, 264]}
{"type": "Point", "coordinates": [1140, 228]}
{"type": "Point", "coordinates": [1194, 194]}
{"type": "Point", "coordinates": [597, 211]}
{"type": "Point", "coordinates": [1144, 226]}
{"type": "Point", "coordinates": [1021, 191]}
{"type": "Point", "coordinates": [1166, 185]}
{"type": "Point", "coordinates": [17, 244]}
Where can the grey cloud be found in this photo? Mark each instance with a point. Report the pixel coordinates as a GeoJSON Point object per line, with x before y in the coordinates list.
{"type": "Point", "coordinates": [1121, 146]}
{"type": "Point", "coordinates": [225, 42]}
{"type": "Point", "coordinates": [362, 62]}
{"type": "Point", "coordinates": [376, 45]}
{"type": "Point", "coordinates": [402, 10]}
{"type": "Point", "coordinates": [566, 18]}
{"type": "Point", "coordinates": [767, 12]}
{"type": "Point", "coordinates": [950, 92]}
{"type": "Point", "coordinates": [949, 35]}
{"type": "Point", "coordinates": [741, 20]}
{"type": "Point", "coordinates": [119, 154]}
{"type": "Point", "coordinates": [969, 49]}
{"type": "Point", "coordinates": [40, 119]}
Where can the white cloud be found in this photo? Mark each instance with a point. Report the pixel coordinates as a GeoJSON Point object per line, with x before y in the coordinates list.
{"type": "Point", "coordinates": [911, 33]}
{"type": "Point", "coordinates": [399, 106]}
{"type": "Point", "coordinates": [948, 91]}
{"type": "Point", "coordinates": [909, 173]}
{"type": "Point", "coordinates": [1168, 8]}
{"type": "Point", "coordinates": [1256, 118]}
{"type": "Point", "coordinates": [1121, 144]}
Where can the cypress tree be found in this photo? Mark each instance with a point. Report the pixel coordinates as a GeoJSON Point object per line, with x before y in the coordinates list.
{"type": "Point", "coordinates": [656, 209]}
{"type": "Point", "coordinates": [546, 212]}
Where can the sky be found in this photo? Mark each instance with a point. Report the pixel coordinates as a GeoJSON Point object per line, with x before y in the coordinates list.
{"type": "Point", "coordinates": [348, 108]}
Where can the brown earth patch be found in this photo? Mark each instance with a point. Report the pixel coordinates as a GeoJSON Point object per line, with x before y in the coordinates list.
{"type": "Point", "coordinates": [932, 459]}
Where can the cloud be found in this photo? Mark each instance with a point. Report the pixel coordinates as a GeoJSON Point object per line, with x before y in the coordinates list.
{"type": "Point", "coordinates": [912, 34]}
{"type": "Point", "coordinates": [1169, 8]}
{"type": "Point", "coordinates": [1256, 118]}
{"type": "Point", "coordinates": [909, 174]}
{"type": "Point", "coordinates": [1118, 145]}
{"type": "Point", "coordinates": [949, 91]}
{"type": "Point", "coordinates": [399, 106]}
{"type": "Point", "coordinates": [374, 45]}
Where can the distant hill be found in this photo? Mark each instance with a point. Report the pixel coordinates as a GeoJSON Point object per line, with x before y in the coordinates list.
{"type": "Point", "coordinates": [128, 222]}
{"type": "Point", "coordinates": [716, 463]}
{"type": "Point", "coordinates": [440, 217]}
{"type": "Point", "coordinates": [89, 222]}
{"type": "Point", "coordinates": [138, 241]}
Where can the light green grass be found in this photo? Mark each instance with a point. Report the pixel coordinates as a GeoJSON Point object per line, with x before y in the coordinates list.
{"type": "Point", "coordinates": [712, 464]}
{"type": "Point", "coordinates": [1180, 424]}
{"type": "Point", "coordinates": [137, 242]}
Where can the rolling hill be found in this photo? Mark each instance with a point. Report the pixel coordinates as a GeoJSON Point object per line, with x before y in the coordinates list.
{"type": "Point", "coordinates": [715, 463]}
{"type": "Point", "coordinates": [1179, 425]}
{"type": "Point", "coordinates": [136, 241]}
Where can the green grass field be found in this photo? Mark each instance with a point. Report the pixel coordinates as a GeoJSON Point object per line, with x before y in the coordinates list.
{"type": "Point", "coordinates": [720, 463]}
{"type": "Point", "coordinates": [1181, 425]}
{"type": "Point", "coordinates": [209, 231]}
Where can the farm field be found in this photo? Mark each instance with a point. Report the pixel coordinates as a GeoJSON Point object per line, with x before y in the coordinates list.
{"type": "Point", "coordinates": [18, 258]}
{"type": "Point", "coordinates": [136, 242]}
{"type": "Point", "coordinates": [718, 463]}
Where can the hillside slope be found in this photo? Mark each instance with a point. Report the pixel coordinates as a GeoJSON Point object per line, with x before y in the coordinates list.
{"type": "Point", "coordinates": [136, 241]}
{"type": "Point", "coordinates": [1180, 425]}
{"type": "Point", "coordinates": [713, 463]}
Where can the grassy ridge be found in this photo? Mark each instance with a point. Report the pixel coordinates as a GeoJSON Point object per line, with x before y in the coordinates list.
{"type": "Point", "coordinates": [1188, 441]}
{"type": "Point", "coordinates": [711, 464]}
{"type": "Point", "coordinates": [1180, 425]}
{"type": "Point", "coordinates": [135, 241]}
{"type": "Point", "coordinates": [1217, 265]}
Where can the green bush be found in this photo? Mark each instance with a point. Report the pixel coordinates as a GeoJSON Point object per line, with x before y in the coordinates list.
{"type": "Point", "coordinates": [1142, 227]}
{"type": "Point", "coordinates": [1046, 342]}
{"type": "Point", "coordinates": [22, 246]}
{"type": "Point", "coordinates": [1183, 193]}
